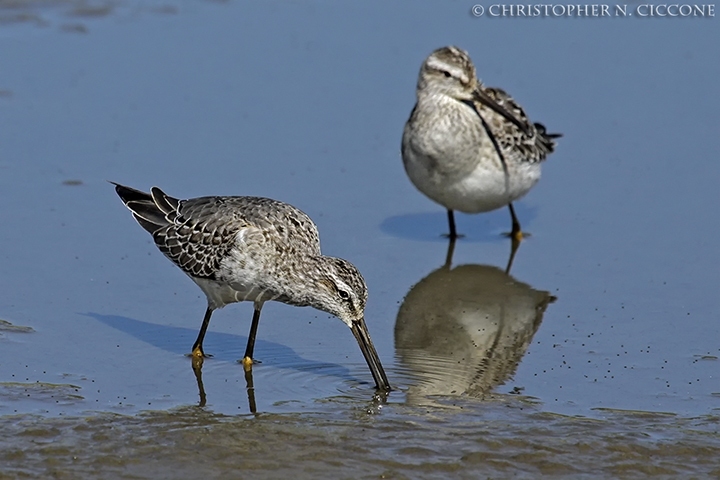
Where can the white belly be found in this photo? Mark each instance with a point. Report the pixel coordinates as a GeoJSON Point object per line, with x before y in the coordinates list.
{"type": "Point", "coordinates": [220, 294]}
{"type": "Point", "coordinates": [484, 189]}
{"type": "Point", "coordinates": [449, 157]}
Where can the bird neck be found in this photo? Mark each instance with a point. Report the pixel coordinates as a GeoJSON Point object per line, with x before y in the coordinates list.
{"type": "Point", "coordinates": [306, 286]}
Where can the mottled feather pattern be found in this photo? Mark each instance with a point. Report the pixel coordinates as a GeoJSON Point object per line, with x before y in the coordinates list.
{"type": "Point", "coordinates": [254, 249]}
{"type": "Point", "coordinates": [516, 144]}
{"type": "Point", "coordinates": [352, 275]}
{"type": "Point", "coordinates": [202, 231]}
{"type": "Point", "coordinates": [198, 234]}
{"type": "Point", "coordinates": [193, 243]}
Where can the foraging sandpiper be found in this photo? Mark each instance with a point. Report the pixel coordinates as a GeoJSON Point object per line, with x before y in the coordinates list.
{"type": "Point", "coordinates": [254, 249]}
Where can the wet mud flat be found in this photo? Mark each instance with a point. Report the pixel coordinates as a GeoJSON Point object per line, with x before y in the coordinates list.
{"type": "Point", "coordinates": [460, 439]}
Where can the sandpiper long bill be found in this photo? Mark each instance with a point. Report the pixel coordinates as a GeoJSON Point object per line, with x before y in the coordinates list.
{"type": "Point", "coordinates": [254, 249]}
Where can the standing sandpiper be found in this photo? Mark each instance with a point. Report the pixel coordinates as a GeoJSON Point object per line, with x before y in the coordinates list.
{"type": "Point", "coordinates": [467, 146]}
{"type": "Point", "coordinates": [255, 249]}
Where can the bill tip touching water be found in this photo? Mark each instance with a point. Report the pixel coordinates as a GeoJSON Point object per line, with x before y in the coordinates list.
{"type": "Point", "coordinates": [254, 249]}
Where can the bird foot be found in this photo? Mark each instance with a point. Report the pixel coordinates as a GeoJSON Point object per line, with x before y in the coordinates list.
{"type": "Point", "coordinates": [518, 235]}
{"type": "Point", "coordinates": [248, 362]}
{"type": "Point", "coordinates": [198, 353]}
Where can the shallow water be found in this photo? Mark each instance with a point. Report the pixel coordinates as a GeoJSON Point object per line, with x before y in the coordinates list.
{"type": "Point", "coordinates": [595, 356]}
{"type": "Point", "coordinates": [510, 439]}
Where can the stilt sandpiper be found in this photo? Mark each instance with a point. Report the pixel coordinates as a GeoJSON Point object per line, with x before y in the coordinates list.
{"type": "Point", "coordinates": [254, 249]}
{"type": "Point", "coordinates": [467, 146]}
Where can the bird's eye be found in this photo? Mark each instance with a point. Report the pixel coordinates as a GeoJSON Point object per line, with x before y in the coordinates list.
{"type": "Point", "coordinates": [343, 294]}
{"type": "Point", "coordinates": [446, 73]}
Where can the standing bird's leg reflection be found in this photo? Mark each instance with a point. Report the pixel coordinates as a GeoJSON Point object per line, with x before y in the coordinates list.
{"type": "Point", "coordinates": [250, 386]}
{"type": "Point", "coordinates": [197, 363]}
{"type": "Point", "coordinates": [450, 252]}
{"type": "Point", "coordinates": [515, 244]}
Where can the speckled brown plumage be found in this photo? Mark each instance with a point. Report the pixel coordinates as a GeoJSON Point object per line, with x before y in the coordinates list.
{"type": "Point", "coordinates": [197, 234]}
{"type": "Point", "coordinates": [255, 249]}
{"type": "Point", "coordinates": [530, 144]}
{"type": "Point", "coordinates": [470, 147]}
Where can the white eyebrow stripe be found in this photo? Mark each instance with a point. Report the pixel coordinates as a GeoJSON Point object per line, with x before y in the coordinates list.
{"type": "Point", "coordinates": [437, 64]}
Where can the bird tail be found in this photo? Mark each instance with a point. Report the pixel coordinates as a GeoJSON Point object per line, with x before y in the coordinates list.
{"type": "Point", "coordinates": [152, 210]}
{"type": "Point", "coordinates": [547, 139]}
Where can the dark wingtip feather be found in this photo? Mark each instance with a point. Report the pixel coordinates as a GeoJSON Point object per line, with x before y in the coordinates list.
{"type": "Point", "coordinates": [149, 227]}
{"type": "Point", "coordinates": [547, 140]}
{"type": "Point", "coordinates": [148, 211]}
{"type": "Point", "coordinates": [164, 202]}
{"type": "Point", "coordinates": [543, 131]}
{"type": "Point", "coordinates": [128, 194]}
{"type": "Point", "coordinates": [143, 207]}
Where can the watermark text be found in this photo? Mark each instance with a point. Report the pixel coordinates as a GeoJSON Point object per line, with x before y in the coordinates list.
{"type": "Point", "coordinates": [593, 10]}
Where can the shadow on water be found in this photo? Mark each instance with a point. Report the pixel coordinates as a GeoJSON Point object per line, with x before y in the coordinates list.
{"type": "Point", "coordinates": [430, 226]}
{"type": "Point", "coordinates": [464, 330]}
{"type": "Point", "coordinates": [177, 340]}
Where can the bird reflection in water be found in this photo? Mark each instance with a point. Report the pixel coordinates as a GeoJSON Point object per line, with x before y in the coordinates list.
{"type": "Point", "coordinates": [197, 363]}
{"type": "Point", "coordinates": [514, 245]}
{"type": "Point", "coordinates": [377, 401]}
{"type": "Point", "coordinates": [464, 330]}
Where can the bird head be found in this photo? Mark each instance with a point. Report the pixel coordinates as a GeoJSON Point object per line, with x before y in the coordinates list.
{"type": "Point", "coordinates": [448, 71]}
